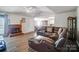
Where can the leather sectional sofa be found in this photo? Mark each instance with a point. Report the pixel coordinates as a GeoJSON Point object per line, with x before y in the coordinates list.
{"type": "Point", "coordinates": [51, 32]}
{"type": "Point", "coordinates": [57, 35]}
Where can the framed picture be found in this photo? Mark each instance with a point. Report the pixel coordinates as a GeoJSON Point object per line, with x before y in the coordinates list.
{"type": "Point", "coordinates": [22, 20]}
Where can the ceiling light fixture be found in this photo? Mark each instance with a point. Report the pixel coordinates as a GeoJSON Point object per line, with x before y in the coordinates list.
{"type": "Point", "coordinates": [30, 9]}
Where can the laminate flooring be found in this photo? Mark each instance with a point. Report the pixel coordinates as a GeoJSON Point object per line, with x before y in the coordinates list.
{"type": "Point", "coordinates": [18, 43]}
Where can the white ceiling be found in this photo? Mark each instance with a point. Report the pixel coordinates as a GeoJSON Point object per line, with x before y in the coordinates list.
{"type": "Point", "coordinates": [61, 9]}
{"type": "Point", "coordinates": [37, 10]}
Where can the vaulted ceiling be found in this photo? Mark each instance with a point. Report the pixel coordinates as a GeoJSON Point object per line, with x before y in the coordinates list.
{"type": "Point", "coordinates": [37, 10]}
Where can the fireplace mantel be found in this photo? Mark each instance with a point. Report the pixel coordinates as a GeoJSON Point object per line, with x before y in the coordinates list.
{"type": "Point", "coordinates": [15, 29]}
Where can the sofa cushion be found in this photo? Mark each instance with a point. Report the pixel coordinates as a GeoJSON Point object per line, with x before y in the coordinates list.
{"type": "Point", "coordinates": [54, 36]}
{"type": "Point", "coordinates": [56, 29]}
{"type": "Point", "coordinates": [60, 30]}
{"type": "Point", "coordinates": [49, 29]}
{"type": "Point", "coordinates": [63, 33]}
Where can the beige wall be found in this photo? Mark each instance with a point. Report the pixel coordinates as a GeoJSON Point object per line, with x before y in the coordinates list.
{"type": "Point", "coordinates": [14, 18]}
{"type": "Point", "coordinates": [61, 18]}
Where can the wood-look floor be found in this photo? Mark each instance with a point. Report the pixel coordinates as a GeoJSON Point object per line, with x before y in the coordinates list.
{"type": "Point", "coordinates": [18, 43]}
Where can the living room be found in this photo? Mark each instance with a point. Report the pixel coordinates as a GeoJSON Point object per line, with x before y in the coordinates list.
{"type": "Point", "coordinates": [25, 23]}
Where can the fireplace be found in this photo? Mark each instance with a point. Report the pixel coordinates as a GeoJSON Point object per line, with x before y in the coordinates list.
{"type": "Point", "coordinates": [15, 29]}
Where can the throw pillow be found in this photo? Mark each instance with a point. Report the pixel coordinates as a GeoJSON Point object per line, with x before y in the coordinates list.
{"type": "Point", "coordinates": [60, 30]}
{"type": "Point", "coordinates": [59, 43]}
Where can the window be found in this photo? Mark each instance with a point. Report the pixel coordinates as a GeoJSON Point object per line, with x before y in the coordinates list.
{"type": "Point", "coordinates": [2, 24]}
{"type": "Point", "coordinates": [44, 21]}
{"type": "Point", "coordinates": [51, 21]}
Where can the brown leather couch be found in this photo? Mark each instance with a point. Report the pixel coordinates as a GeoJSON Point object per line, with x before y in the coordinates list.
{"type": "Point", "coordinates": [56, 45]}
{"type": "Point", "coordinates": [51, 32]}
